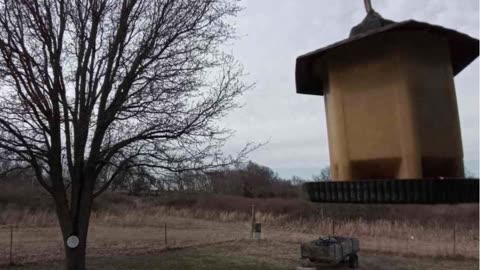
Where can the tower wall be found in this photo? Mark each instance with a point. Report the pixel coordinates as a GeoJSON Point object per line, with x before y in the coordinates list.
{"type": "Point", "coordinates": [391, 109]}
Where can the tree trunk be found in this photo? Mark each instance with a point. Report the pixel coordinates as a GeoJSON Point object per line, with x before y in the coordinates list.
{"type": "Point", "coordinates": [75, 258]}
{"type": "Point", "coordinates": [76, 222]}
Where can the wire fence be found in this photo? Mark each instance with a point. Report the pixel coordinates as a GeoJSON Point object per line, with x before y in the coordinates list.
{"type": "Point", "coordinates": [26, 244]}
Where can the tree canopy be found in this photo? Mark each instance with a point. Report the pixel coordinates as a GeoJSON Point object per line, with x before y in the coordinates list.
{"type": "Point", "coordinates": [89, 89]}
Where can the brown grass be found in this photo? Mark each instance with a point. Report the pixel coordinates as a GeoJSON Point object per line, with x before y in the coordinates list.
{"type": "Point", "coordinates": [132, 224]}
{"type": "Point", "coordinates": [401, 237]}
{"type": "Point", "coordinates": [142, 227]}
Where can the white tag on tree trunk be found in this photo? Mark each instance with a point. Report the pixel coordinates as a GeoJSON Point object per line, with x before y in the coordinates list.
{"type": "Point", "coordinates": [72, 241]}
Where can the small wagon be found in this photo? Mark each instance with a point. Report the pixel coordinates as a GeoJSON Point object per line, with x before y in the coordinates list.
{"type": "Point", "coordinates": [330, 250]}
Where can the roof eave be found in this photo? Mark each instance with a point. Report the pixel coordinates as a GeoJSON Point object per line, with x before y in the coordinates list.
{"type": "Point", "coordinates": [463, 50]}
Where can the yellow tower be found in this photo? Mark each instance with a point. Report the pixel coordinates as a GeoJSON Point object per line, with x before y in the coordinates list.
{"type": "Point", "coordinates": [390, 99]}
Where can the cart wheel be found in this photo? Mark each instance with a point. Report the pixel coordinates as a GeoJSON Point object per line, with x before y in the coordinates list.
{"type": "Point", "coordinates": [353, 261]}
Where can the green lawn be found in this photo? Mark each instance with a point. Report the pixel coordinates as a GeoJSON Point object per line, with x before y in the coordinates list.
{"type": "Point", "coordinates": [199, 259]}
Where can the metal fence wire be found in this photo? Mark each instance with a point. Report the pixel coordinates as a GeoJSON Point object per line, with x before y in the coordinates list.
{"type": "Point", "coordinates": [24, 244]}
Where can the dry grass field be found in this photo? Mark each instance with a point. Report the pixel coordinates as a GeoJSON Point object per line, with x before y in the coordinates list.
{"type": "Point", "coordinates": [142, 233]}
{"type": "Point", "coordinates": [144, 227]}
{"type": "Point", "coordinates": [201, 232]}
{"type": "Point", "coordinates": [117, 252]}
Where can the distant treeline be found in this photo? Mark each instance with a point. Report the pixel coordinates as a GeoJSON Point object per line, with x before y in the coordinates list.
{"type": "Point", "coordinates": [249, 180]}
{"type": "Point", "coordinates": [227, 191]}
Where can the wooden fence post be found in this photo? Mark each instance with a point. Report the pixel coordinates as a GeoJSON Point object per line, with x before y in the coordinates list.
{"type": "Point", "coordinates": [333, 227]}
{"type": "Point", "coordinates": [166, 243]}
{"type": "Point", "coordinates": [253, 221]}
{"type": "Point", "coordinates": [11, 244]}
{"type": "Point", "coordinates": [454, 239]}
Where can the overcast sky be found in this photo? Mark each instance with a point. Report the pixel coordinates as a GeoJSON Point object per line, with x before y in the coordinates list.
{"type": "Point", "coordinates": [274, 32]}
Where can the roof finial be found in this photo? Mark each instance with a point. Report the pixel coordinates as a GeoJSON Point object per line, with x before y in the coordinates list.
{"type": "Point", "coordinates": [368, 6]}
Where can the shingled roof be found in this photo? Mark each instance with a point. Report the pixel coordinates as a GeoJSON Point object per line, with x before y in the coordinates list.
{"type": "Point", "coordinates": [463, 48]}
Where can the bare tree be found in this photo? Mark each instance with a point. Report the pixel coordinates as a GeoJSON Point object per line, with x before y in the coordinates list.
{"type": "Point", "coordinates": [93, 88]}
{"type": "Point", "coordinates": [470, 174]}
{"type": "Point", "coordinates": [325, 175]}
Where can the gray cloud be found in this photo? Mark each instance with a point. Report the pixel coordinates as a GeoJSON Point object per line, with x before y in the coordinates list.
{"type": "Point", "coordinates": [274, 32]}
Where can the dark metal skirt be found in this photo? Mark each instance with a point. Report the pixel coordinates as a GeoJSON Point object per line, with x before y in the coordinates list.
{"type": "Point", "coordinates": [405, 191]}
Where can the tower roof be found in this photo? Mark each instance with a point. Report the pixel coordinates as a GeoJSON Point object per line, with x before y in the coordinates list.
{"type": "Point", "coordinates": [463, 48]}
{"type": "Point", "coordinates": [372, 21]}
